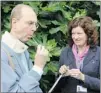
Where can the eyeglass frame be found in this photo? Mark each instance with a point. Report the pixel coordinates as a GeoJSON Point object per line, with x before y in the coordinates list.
{"type": "Point", "coordinates": [30, 23]}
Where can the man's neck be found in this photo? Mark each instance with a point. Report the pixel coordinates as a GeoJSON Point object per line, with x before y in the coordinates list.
{"type": "Point", "coordinates": [11, 41]}
{"type": "Point", "coordinates": [13, 35]}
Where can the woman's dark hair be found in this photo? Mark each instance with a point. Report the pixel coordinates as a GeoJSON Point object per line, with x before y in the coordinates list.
{"type": "Point", "coordinates": [89, 28]}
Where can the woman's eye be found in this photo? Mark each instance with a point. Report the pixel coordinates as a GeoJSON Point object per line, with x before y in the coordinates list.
{"type": "Point", "coordinates": [79, 33]}
{"type": "Point", "coordinates": [73, 33]}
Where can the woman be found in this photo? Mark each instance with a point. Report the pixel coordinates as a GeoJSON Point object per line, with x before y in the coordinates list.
{"type": "Point", "coordinates": [82, 56]}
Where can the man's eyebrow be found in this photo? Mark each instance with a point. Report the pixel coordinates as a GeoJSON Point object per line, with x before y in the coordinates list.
{"type": "Point", "coordinates": [32, 21]}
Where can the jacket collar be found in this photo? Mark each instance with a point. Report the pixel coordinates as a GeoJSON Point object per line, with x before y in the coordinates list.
{"type": "Point", "coordinates": [88, 57]}
{"type": "Point", "coordinates": [15, 44]}
{"type": "Point", "coordinates": [91, 53]}
{"type": "Point", "coordinates": [71, 58]}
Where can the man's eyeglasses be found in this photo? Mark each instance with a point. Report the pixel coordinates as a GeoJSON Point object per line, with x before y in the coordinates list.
{"type": "Point", "coordinates": [37, 25]}
{"type": "Point", "coordinates": [33, 23]}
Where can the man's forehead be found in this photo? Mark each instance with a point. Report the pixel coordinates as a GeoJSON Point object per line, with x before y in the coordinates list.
{"type": "Point", "coordinates": [28, 11]}
{"type": "Point", "coordinates": [29, 14]}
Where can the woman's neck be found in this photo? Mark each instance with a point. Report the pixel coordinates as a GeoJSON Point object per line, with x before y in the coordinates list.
{"type": "Point", "coordinates": [81, 49]}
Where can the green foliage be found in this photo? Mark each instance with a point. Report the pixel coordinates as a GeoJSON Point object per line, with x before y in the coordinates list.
{"type": "Point", "coordinates": [6, 9]}
{"type": "Point", "coordinates": [53, 19]}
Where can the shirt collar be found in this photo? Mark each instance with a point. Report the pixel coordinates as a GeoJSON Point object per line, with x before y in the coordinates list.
{"type": "Point", "coordinates": [15, 44]}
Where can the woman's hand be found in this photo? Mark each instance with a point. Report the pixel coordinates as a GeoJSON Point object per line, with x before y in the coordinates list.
{"type": "Point", "coordinates": [76, 73]}
{"type": "Point", "coordinates": [64, 70]}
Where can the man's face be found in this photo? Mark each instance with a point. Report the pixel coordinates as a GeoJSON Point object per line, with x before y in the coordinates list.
{"type": "Point", "coordinates": [26, 25]}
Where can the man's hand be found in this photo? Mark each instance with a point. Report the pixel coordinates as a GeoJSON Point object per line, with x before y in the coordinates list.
{"type": "Point", "coordinates": [41, 56]}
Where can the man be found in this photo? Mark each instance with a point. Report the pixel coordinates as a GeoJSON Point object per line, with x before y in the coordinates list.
{"type": "Point", "coordinates": [17, 72]}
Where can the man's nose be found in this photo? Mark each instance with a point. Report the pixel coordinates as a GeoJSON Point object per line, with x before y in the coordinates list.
{"type": "Point", "coordinates": [34, 28]}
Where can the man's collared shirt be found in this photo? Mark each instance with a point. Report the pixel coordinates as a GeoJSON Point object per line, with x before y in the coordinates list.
{"type": "Point", "coordinates": [18, 47]}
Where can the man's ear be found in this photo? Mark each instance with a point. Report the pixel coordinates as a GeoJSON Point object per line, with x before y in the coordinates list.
{"type": "Point", "coordinates": [14, 21]}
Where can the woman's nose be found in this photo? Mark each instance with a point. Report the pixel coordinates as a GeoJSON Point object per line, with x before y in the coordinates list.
{"type": "Point", "coordinates": [76, 36]}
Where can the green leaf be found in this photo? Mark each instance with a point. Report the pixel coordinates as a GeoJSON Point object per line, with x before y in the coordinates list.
{"type": "Point", "coordinates": [51, 44]}
{"type": "Point", "coordinates": [6, 9]}
{"type": "Point", "coordinates": [56, 22]}
{"type": "Point", "coordinates": [67, 15]}
{"type": "Point", "coordinates": [63, 28]}
{"type": "Point", "coordinates": [96, 23]}
{"type": "Point", "coordinates": [43, 23]}
{"type": "Point", "coordinates": [56, 51]}
{"type": "Point", "coordinates": [45, 70]}
{"type": "Point", "coordinates": [98, 13]}
{"type": "Point", "coordinates": [54, 30]}
{"type": "Point", "coordinates": [96, 2]}
{"type": "Point", "coordinates": [81, 12]}
{"type": "Point", "coordinates": [52, 67]}
{"type": "Point", "coordinates": [52, 7]}
{"type": "Point", "coordinates": [44, 39]}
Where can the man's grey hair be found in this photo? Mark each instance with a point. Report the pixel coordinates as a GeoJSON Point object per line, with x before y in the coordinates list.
{"type": "Point", "coordinates": [16, 11]}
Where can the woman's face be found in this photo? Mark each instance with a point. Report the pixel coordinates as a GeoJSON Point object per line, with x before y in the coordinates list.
{"type": "Point", "coordinates": [79, 37]}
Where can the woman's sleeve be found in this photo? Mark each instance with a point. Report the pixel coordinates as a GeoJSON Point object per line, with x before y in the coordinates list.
{"type": "Point", "coordinates": [94, 82]}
